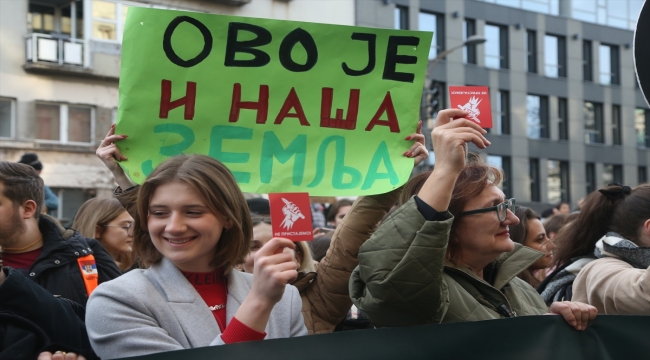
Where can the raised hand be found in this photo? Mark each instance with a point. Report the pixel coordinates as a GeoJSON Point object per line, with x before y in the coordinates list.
{"type": "Point", "coordinates": [449, 137]}
{"type": "Point", "coordinates": [274, 269]}
{"type": "Point", "coordinates": [111, 155]}
{"type": "Point", "coordinates": [418, 150]}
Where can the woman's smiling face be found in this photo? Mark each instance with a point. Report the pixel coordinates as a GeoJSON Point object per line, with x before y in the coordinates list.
{"type": "Point", "coordinates": [483, 235]}
{"type": "Point", "coordinates": [182, 227]}
{"type": "Point", "coordinates": [536, 238]}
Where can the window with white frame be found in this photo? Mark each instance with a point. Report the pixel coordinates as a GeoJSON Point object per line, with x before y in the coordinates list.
{"type": "Point", "coordinates": [436, 24]}
{"type": "Point", "coordinates": [496, 46]}
{"type": "Point", "coordinates": [557, 181]}
{"type": "Point", "coordinates": [108, 17]}
{"type": "Point", "coordinates": [554, 56]}
{"type": "Point", "coordinates": [7, 117]}
{"type": "Point", "coordinates": [608, 63]}
{"type": "Point", "coordinates": [64, 123]}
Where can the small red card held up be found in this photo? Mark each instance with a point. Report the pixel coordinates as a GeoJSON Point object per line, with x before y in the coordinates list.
{"type": "Point", "coordinates": [475, 100]}
{"type": "Point", "coordinates": [291, 216]}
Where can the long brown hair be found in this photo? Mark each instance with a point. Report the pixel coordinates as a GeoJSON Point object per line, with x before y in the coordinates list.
{"type": "Point", "coordinates": [218, 188]}
{"type": "Point", "coordinates": [615, 208]}
{"type": "Point", "coordinates": [472, 180]}
{"type": "Point", "coordinates": [518, 234]}
{"type": "Point", "coordinates": [303, 251]}
{"type": "Point", "coordinates": [100, 212]}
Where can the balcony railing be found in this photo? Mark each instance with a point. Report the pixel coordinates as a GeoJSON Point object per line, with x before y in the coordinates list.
{"type": "Point", "coordinates": [53, 49]}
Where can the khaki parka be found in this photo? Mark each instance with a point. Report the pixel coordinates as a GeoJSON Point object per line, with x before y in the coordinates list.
{"type": "Point", "coordinates": [403, 278]}
{"type": "Point", "coordinates": [324, 293]}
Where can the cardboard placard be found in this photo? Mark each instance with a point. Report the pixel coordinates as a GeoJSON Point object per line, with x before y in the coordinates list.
{"type": "Point", "coordinates": [475, 100]}
{"type": "Point", "coordinates": [291, 216]}
{"type": "Point", "coordinates": [287, 106]}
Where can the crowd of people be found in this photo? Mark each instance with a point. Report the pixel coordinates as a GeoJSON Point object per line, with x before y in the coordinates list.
{"type": "Point", "coordinates": [184, 260]}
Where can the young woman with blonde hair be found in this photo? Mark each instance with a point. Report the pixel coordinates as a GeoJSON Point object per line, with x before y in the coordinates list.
{"type": "Point", "coordinates": [108, 222]}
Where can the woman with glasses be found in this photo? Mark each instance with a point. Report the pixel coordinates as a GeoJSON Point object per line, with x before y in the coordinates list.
{"type": "Point", "coordinates": [107, 221]}
{"type": "Point", "coordinates": [531, 233]}
{"type": "Point", "coordinates": [446, 254]}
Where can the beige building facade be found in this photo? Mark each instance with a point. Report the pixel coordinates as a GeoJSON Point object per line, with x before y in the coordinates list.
{"type": "Point", "coordinates": [59, 73]}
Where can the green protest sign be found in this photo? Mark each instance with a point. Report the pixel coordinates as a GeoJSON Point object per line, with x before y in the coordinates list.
{"type": "Point", "coordinates": [287, 106]}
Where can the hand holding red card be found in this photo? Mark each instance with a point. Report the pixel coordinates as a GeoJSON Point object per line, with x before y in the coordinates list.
{"type": "Point", "coordinates": [291, 216]}
{"type": "Point", "coordinates": [474, 100]}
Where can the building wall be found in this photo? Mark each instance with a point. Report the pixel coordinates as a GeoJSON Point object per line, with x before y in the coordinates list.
{"type": "Point", "coordinates": [519, 82]}
{"type": "Point", "coordinates": [96, 83]}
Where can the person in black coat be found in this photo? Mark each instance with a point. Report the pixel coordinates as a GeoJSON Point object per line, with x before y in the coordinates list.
{"type": "Point", "coordinates": [61, 261]}
{"type": "Point", "coordinates": [32, 321]}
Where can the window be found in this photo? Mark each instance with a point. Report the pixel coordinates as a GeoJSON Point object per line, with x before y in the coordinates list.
{"type": "Point", "coordinates": [537, 116]}
{"type": "Point", "coordinates": [616, 125]}
{"type": "Point", "coordinates": [7, 117]}
{"type": "Point", "coordinates": [593, 114]}
{"type": "Point", "coordinates": [66, 20]}
{"type": "Point", "coordinates": [641, 126]}
{"type": "Point", "coordinates": [70, 200]}
{"type": "Point", "coordinates": [554, 56]}
{"type": "Point", "coordinates": [590, 176]}
{"type": "Point", "coordinates": [40, 19]}
{"type": "Point", "coordinates": [608, 65]}
{"type": "Point", "coordinates": [557, 181]}
{"type": "Point", "coordinates": [616, 13]}
{"type": "Point", "coordinates": [587, 61]}
{"type": "Point", "coordinates": [503, 163]}
{"type": "Point", "coordinates": [642, 175]}
{"type": "Point", "coordinates": [108, 20]}
{"type": "Point", "coordinates": [563, 118]}
{"type": "Point", "coordinates": [401, 17]}
{"type": "Point", "coordinates": [612, 174]}
{"type": "Point", "coordinates": [496, 47]}
{"type": "Point", "coordinates": [435, 23]}
{"type": "Point", "coordinates": [64, 123]}
{"type": "Point", "coordinates": [503, 113]}
{"type": "Point", "coordinates": [533, 172]}
{"type": "Point", "coordinates": [531, 47]}
{"type": "Point", "coordinates": [469, 51]}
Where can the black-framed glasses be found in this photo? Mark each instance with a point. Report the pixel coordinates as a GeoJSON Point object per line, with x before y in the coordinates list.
{"type": "Point", "coordinates": [501, 210]}
{"type": "Point", "coordinates": [128, 227]}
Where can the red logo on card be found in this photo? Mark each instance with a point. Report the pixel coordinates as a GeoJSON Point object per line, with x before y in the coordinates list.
{"type": "Point", "coordinates": [291, 216]}
{"type": "Point", "coordinates": [474, 100]}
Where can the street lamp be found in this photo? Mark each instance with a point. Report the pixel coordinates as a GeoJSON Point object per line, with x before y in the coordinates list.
{"type": "Point", "coordinates": [472, 40]}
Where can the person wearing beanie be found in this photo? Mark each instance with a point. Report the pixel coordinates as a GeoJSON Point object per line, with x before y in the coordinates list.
{"type": "Point", "coordinates": [51, 200]}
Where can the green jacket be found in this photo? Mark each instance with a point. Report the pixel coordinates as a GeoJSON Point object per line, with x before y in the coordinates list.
{"type": "Point", "coordinates": [403, 279]}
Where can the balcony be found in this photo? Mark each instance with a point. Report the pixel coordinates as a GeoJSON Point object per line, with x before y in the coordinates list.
{"type": "Point", "coordinates": [56, 54]}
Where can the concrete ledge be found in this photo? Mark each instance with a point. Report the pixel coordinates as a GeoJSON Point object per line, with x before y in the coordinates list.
{"type": "Point", "coordinates": [66, 70]}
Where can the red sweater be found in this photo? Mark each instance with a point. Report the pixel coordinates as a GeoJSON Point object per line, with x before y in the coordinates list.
{"type": "Point", "coordinates": [214, 291]}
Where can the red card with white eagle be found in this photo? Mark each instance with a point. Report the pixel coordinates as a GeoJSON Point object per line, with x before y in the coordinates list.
{"type": "Point", "coordinates": [291, 216]}
{"type": "Point", "coordinates": [475, 100]}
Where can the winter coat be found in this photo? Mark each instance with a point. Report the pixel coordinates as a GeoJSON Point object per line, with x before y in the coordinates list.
{"type": "Point", "coordinates": [57, 270]}
{"type": "Point", "coordinates": [403, 278]}
{"type": "Point", "coordinates": [324, 293]}
{"type": "Point", "coordinates": [32, 321]}
{"type": "Point", "coordinates": [157, 310]}
{"type": "Point", "coordinates": [618, 283]}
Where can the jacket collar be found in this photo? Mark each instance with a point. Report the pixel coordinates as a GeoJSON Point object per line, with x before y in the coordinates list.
{"type": "Point", "coordinates": [507, 265]}
{"type": "Point", "coordinates": [59, 243]}
{"type": "Point", "coordinates": [303, 280]}
{"type": "Point", "coordinates": [187, 304]}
